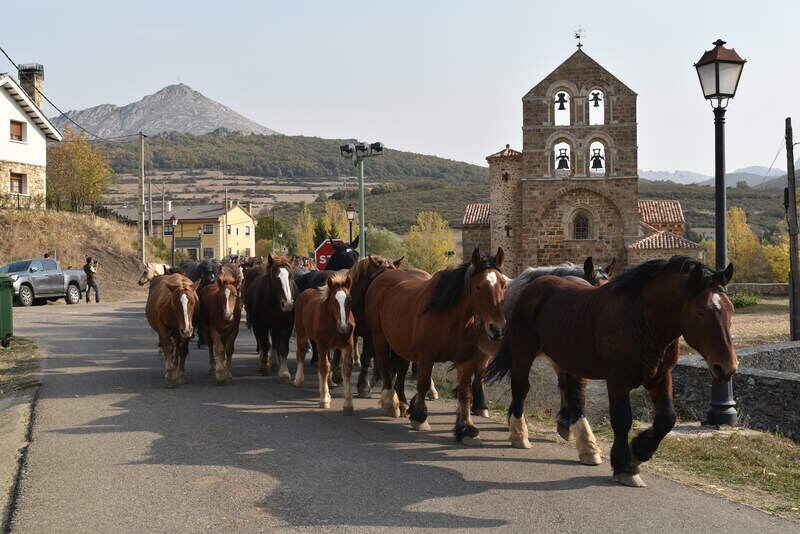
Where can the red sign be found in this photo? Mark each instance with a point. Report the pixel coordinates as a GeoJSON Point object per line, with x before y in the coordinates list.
{"type": "Point", "coordinates": [324, 252]}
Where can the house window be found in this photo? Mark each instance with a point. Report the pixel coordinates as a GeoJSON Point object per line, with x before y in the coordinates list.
{"type": "Point", "coordinates": [247, 229]}
{"type": "Point", "coordinates": [580, 227]}
{"type": "Point", "coordinates": [19, 184]}
{"type": "Point", "coordinates": [208, 229]}
{"type": "Point", "coordinates": [208, 253]}
{"type": "Point", "coordinates": [229, 229]}
{"type": "Point", "coordinates": [237, 230]}
{"type": "Point", "coordinates": [17, 131]}
{"type": "Point", "coordinates": [247, 252]}
{"type": "Point", "coordinates": [168, 229]}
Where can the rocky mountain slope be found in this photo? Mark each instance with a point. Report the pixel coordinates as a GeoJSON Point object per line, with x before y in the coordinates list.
{"type": "Point", "coordinates": [175, 108]}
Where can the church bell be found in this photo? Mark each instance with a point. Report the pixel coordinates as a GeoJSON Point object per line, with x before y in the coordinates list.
{"type": "Point", "coordinates": [597, 159]}
{"type": "Point", "coordinates": [596, 99]}
{"type": "Point", "coordinates": [561, 100]}
{"type": "Point", "coordinates": [563, 159]}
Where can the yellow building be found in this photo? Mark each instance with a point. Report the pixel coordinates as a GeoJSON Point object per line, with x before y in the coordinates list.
{"type": "Point", "coordinates": [213, 231]}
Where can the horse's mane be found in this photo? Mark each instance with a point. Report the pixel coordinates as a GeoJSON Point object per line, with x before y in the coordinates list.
{"type": "Point", "coordinates": [362, 266]}
{"type": "Point", "coordinates": [338, 281]}
{"type": "Point", "coordinates": [281, 261]}
{"type": "Point", "coordinates": [226, 277]}
{"type": "Point", "coordinates": [562, 269]}
{"type": "Point", "coordinates": [635, 279]}
{"type": "Point", "coordinates": [451, 283]}
{"type": "Point", "coordinates": [178, 282]}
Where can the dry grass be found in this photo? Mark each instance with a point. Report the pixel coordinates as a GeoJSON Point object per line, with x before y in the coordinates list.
{"type": "Point", "coordinates": [18, 366]}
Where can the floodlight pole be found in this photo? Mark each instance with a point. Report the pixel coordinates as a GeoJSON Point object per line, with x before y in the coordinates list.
{"type": "Point", "coordinates": [362, 238]}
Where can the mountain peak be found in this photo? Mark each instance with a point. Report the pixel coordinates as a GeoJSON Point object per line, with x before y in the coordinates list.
{"type": "Point", "coordinates": [174, 108]}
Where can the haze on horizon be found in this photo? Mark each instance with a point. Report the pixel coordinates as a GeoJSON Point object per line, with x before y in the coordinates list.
{"type": "Point", "coordinates": [443, 78]}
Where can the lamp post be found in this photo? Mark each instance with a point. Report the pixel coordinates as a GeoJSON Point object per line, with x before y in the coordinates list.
{"type": "Point", "coordinates": [351, 214]}
{"type": "Point", "coordinates": [357, 153]}
{"type": "Point", "coordinates": [174, 222]}
{"type": "Point", "coordinates": [719, 70]}
{"type": "Point", "coordinates": [200, 243]}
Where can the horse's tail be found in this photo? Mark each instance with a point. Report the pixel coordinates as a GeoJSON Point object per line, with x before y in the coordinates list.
{"type": "Point", "coordinates": [500, 365]}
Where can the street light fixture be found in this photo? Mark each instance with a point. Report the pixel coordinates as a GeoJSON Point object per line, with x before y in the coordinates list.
{"type": "Point", "coordinates": [719, 70]}
{"type": "Point", "coordinates": [173, 220]}
{"type": "Point", "coordinates": [351, 214]}
{"type": "Point", "coordinates": [357, 153]}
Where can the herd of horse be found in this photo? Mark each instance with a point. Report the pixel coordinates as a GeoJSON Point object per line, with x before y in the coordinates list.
{"type": "Point", "coordinates": [623, 329]}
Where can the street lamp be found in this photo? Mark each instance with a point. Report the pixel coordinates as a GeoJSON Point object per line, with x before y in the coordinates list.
{"type": "Point", "coordinates": [174, 222]}
{"type": "Point", "coordinates": [719, 70]}
{"type": "Point", "coordinates": [357, 153]}
{"type": "Point", "coordinates": [351, 214]}
{"type": "Point", "coordinates": [200, 244]}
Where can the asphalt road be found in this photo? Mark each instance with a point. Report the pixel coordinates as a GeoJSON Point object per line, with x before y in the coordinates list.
{"type": "Point", "coordinates": [114, 451]}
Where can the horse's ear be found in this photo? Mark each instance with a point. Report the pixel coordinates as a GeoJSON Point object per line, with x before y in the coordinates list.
{"type": "Point", "coordinates": [196, 285]}
{"type": "Point", "coordinates": [354, 243]}
{"type": "Point", "coordinates": [397, 262]}
{"type": "Point", "coordinates": [610, 267]}
{"type": "Point", "coordinates": [348, 282]}
{"type": "Point", "coordinates": [269, 259]}
{"type": "Point", "coordinates": [476, 256]}
{"type": "Point", "coordinates": [372, 260]}
{"type": "Point", "coordinates": [588, 269]}
{"type": "Point", "coordinates": [697, 277]}
{"type": "Point", "coordinates": [723, 277]}
{"type": "Point", "coordinates": [499, 257]}
{"type": "Point", "coordinates": [329, 282]}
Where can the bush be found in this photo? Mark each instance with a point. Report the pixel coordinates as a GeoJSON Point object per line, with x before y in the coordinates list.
{"type": "Point", "coordinates": [743, 300]}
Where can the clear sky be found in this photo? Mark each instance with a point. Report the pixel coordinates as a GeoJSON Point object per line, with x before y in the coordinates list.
{"type": "Point", "coordinates": [436, 77]}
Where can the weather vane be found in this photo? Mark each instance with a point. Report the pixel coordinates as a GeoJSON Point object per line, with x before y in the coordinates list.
{"type": "Point", "coordinates": [578, 34]}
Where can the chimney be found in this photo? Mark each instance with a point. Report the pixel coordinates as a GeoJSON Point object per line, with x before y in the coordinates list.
{"type": "Point", "coordinates": [230, 204]}
{"type": "Point", "coordinates": [31, 79]}
{"type": "Point", "coordinates": [249, 208]}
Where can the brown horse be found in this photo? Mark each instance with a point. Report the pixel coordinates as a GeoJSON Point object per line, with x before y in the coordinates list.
{"type": "Point", "coordinates": [172, 309]}
{"type": "Point", "coordinates": [269, 294]}
{"type": "Point", "coordinates": [220, 313]}
{"type": "Point", "coordinates": [324, 316]}
{"type": "Point", "coordinates": [437, 320]}
{"type": "Point", "coordinates": [623, 332]}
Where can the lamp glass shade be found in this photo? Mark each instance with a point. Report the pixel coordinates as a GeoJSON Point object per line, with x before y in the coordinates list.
{"type": "Point", "coordinates": [351, 213]}
{"type": "Point", "coordinates": [729, 74]}
{"type": "Point", "coordinates": [708, 79]}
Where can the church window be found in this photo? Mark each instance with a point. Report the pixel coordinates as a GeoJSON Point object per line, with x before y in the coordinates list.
{"type": "Point", "coordinates": [562, 159]}
{"type": "Point", "coordinates": [597, 107]}
{"type": "Point", "coordinates": [561, 106]}
{"type": "Point", "coordinates": [505, 176]}
{"type": "Point", "coordinates": [580, 227]}
{"type": "Point", "coordinates": [597, 159]}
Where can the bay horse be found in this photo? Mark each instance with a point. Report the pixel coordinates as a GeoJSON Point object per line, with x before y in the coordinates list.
{"type": "Point", "coordinates": [324, 315]}
{"type": "Point", "coordinates": [437, 320]}
{"type": "Point", "coordinates": [171, 310]}
{"type": "Point", "coordinates": [220, 313]}
{"type": "Point", "coordinates": [623, 332]}
{"type": "Point", "coordinates": [269, 295]}
{"type": "Point", "coordinates": [151, 270]}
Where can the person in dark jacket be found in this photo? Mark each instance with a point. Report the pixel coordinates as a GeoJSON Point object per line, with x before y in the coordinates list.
{"type": "Point", "coordinates": [91, 269]}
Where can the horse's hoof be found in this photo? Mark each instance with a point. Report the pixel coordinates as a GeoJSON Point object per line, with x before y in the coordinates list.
{"type": "Point", "coordinates": [403, 409]}
{"type": "Point", "coordinates": [432, 395]}
{"type": "Point", "coordinates": [630, 480]}
{"type": "Point", "coordinates": [364, 392]}
{"type": "Point", "coordinates": [422, 426]}
{"type": "Point", "coordinates": [565, 431]}
{"type": "Point", "coordinates": [285, 378]}
{"type": "Point", "coordinates": [521, 443]}
{"type": "Point", "coordinates": [471, 442]}
{"type": "Point", "coordinates": [348, 410]}
{"type": "Point", "coordinates": [181, 380]}
{"type": "Point", "coordinates": [481, 413]}
{"type": "Point", "coordinates": [297, 383]}
{"type": "Point", "coordinates": [336, 376]}
{"type": "Point", "coordinates": [170, 384]}
{"type": "Point", "coordinates": [590, 458]}
{"type": "Point", "coordinates": [325, 404]}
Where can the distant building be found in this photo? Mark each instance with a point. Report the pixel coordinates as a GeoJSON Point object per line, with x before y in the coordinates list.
{"type": "Point", "coordinates": [24, 133]}
{"type": "Point", "coordinates": [573, 190]}
{"type": "Point", "coordinates": [202, 232]}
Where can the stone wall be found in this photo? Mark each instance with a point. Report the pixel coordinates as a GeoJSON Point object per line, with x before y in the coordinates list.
{"type": "Point", "coordinates": [766, 399]}
{"type": "Point", "coordinates": [36, 185]}
{"type": "Point", "coordinates": [474, 236]}
{"type": "Point", "coordinates": [766, 290]}
{"type": "Point", "coordinates": [506, 210]}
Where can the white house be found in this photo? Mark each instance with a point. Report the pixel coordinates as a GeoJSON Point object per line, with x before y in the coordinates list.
{"type": "Point", "coordinates": [24, 132]}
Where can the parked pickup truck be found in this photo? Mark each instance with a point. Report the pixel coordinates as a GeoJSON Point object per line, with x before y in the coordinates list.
{"type": "Point", "coordinates": [39, 279]}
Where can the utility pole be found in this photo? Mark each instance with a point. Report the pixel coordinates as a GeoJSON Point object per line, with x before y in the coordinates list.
{"type": "Point", "coordinates": [163, 187]}
{"type": "Point", "coordinates": [224, 250]}
{"type": "Point", "coordinates": [143, 206]}
{"type": "Point", "coordinates": [791, 215]}
{"type": "Point", "coordinates": [273, 229]}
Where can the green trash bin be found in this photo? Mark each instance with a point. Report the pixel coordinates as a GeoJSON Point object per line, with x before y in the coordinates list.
{"type": "Point", "coordinates": [6, 315]}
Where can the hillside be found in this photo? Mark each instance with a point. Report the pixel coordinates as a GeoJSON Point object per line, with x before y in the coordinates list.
{"type": "Point", "coordinates": [175, 108]}
{"type": "Point", "coordinates": [70, 237]}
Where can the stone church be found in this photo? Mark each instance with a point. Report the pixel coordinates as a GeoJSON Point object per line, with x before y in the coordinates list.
{"type": "Point", "coordinates": [573, 190]}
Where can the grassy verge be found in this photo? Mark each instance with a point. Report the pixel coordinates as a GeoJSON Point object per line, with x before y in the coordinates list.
{"type": "Point", "coordinates": [18, 366]}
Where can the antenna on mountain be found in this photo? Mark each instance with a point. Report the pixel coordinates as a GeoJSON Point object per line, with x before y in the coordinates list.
{"type": "Point", "coordinates": [578, 34]}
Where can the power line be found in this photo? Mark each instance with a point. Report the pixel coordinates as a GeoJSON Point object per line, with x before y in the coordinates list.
{"type": "Point", "coordinates": [780, 149]}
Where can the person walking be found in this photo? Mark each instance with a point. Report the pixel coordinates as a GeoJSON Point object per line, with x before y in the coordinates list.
{"type": "Point", "coordinates": [91, 269]}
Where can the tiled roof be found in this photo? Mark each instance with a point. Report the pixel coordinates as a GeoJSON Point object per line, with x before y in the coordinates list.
{"type": "Point", "coordinates": [661, 211]}
{"type": "Point", "coordinates": [663, 241]}
{"type": "Point", "coordinates": [476, 214]}
{"type": "Point", "coordinates": [183, 213]}
{"type": "Point", "coordinates": [507, 152]}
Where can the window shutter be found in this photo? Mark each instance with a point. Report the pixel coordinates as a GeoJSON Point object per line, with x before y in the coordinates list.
{"type": "Point", "coordinates": [16, 131]}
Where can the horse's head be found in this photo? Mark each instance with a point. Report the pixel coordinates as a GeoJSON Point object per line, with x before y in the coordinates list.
{"type": "Point", "coordinates": [186, 305]}
{"type": "Point", "coordinates": [344, 255]}
{"type": "Point", "coordinates": [282, 281]}
{"type": "Point", "coordinates": [706, 319]}
{"type": "Point", "coordinates": [147, 275]}
{"type": "Point", "coordinates": [598, 276]}
{"type": "Point", "coordinates": [229, 290]}
{"type": "Point", "coordinates": [487, 289]}
{"type": "Point", "coordinates": [339, 302]}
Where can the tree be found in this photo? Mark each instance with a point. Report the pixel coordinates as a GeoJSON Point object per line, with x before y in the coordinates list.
{"type": "Point", "coordinates": [264, 229]}
{"type": "Point", "coordinates": [428, 240]}
{"type": "Point", "coordinates": [339, 226]}
{"type": "Point", "coordinates": [744, 250]}
{"type": "Point", "coordinates": [777, 258]}
{"type": "Point", "coordinates": [321, 229]}
{"type": "Point", "coordinates": [304, 232]}
{"type": "Point", "coordinates": [384, 242]}
{"type": "Point", "coordinates": [77, 172]}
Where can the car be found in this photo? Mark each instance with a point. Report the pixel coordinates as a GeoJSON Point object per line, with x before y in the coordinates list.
{"type": "Point", "coordinates": [40, 279]}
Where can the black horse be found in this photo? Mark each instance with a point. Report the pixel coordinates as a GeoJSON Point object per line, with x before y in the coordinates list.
{"type": "Point", "coordinates": [206, 271]}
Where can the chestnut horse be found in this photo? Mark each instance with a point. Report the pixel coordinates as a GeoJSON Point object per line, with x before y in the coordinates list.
{"type": "Point", "coordinates": [324, 315]}
{"type": "Point", "coordinates": [269, 294]}
{"type": "Point", "coordinates": [623, 332]}
{"type": "Point", "coordinates": [437, 320]}
{"type": "Point", "coordinates": [172, 309]}
{"type": "Point", "coordinates": [220, 313]}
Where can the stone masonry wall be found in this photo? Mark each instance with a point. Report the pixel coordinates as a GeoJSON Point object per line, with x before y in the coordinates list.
{"type": "Point", "coordinates": [474, 236]}
{"type": "Point", "coordinates": [506, 210]}
{"type": "Point", "coordinates": [36, 180]}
